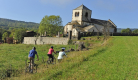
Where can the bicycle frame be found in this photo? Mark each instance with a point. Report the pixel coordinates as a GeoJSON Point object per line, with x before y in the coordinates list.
{"type": "Point", "coordinates": [28, 67]}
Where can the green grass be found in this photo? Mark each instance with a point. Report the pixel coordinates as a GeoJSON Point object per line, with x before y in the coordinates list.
{"type": "Point", "coordinates": [114, 59]}
{"type": "Point", "coordinates": [16, 54]}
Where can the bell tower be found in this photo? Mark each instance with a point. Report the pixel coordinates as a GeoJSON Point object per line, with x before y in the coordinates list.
{"type": "Point", "coordinates": [81, 13]}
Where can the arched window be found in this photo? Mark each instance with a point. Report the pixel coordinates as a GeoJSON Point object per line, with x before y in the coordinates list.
{"type": "Point", "coordinates": [76, 14]}
{"type": "Point", "coordinates": [86, 14]}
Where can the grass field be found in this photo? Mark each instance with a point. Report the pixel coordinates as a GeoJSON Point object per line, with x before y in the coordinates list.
{"type": "Point", "coordinates": [16, 54]}
{"type": "Point", "coordinates": [114, 59]}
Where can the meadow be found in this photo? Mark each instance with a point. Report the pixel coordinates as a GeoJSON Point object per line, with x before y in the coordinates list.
{"type": "Point", "coordinates": [113, 59]}
{"type": "Point", "coordinates": [17, 54]}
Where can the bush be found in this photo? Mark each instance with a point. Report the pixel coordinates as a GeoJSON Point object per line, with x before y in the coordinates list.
{"type": "Point", "coordinates": [70, 42]}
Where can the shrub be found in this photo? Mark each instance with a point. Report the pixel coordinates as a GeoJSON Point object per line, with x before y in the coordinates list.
{"type": "Point", "coordinates": [70, 42]}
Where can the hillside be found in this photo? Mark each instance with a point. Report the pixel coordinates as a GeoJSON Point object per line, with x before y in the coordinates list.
{"type": "Point", "coordinates": [8, 23]}
{"type": "Point", "coordinates": [120, 29]}
{"type": "Point", "coordinates": [115, 61]}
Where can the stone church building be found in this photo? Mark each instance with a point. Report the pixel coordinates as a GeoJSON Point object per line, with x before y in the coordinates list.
{"type": "Point", "coordinates": [82, 22]}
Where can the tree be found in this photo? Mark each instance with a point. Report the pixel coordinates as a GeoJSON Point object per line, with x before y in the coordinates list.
{"type": "Point", "coordinates": [51, 25]}
{"type": "Point", "coordinates": [5, 34]}
{"type": "Point", "coordinates": [106, 27]}
{"type": "Point", "coordinates": [135, 31]}
{"type": "Point", "coordinates": [19, 34]}
{"type": "Point", "coordinates": [128, 30]}
{"type": "Point", "coordinates": [11, 35]}
{"type": "Point", "coordinates": [1, 32]}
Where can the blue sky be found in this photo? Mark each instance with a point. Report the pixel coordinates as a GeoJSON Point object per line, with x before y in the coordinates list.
{"type": "Point", "coordinates": [124, 13]}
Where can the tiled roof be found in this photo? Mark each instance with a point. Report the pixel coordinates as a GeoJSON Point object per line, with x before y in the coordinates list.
{"type": "Point", "coordinates": [80, 29]}
{"type": "Point", "coordinates": [73, 23]}
{"type": "Point", "coordinates": [98, 21]}
{"type": "Point", "coordinates": [81, 7]}
{"type": "Point", "coordinates": [102, 22]}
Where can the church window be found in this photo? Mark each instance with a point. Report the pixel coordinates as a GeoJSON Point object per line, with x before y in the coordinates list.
{"type": "Point", "coordinates": [76, 14]}
{"type": "Point", "coordinates": [86, 14]}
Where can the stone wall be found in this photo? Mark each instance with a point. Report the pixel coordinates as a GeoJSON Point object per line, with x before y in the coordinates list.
{"type": "Point", "coordinates": [45, 40]}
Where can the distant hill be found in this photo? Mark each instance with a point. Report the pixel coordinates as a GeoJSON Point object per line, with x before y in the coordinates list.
{"type": "Point", "coordinates": [120, 29]}
{"type": "Point", "coordinates": [8, 23]}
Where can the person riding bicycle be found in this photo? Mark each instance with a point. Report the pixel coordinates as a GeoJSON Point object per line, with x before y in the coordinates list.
{"type": "Point", "coordinates": [31, 57]}
{"type": "Point", "coordinates": [49, 54]}
{"type": "Point", "coordinates": [61, 54]}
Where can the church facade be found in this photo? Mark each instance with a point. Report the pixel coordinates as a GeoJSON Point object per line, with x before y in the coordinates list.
{"type": "Point", "coordinates": [82, 22]}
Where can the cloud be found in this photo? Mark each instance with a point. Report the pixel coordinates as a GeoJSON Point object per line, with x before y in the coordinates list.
{"type": "Point", "coordinates": [116, 5]}
{"type": "Point", "coordinates": [57, 2]}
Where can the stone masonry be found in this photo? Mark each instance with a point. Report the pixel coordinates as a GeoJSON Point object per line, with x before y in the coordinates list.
{"type": "Point", "coordinates": [46, 40]}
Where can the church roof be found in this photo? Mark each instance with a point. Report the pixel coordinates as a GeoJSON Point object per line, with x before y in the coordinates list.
{"type": "Point", "coordinates": [79, 29]}
{"type": "Point", "coordinates": [81, 7]}
{"type": "Point", "coordinates": [103, 22]}
{"type": "Point", "coordinates": [98, 21]}
{"type": "Point", "coordinates": [73, 23]}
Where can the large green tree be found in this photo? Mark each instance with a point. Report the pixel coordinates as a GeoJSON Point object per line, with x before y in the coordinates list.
{"type": "Point", "coordinates": [51, 24]}
{"type": "Point", "coordinates": [19, 34]}
{"type": "Point", "coordinates": [1, 32]}
{"type": "Point", "coordinates": [5, 34]}
{"type": "Point", "coordinates": [128, 30]}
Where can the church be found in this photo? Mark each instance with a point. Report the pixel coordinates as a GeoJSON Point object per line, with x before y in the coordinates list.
{"type": "Point", "coordinates": [82, 22]}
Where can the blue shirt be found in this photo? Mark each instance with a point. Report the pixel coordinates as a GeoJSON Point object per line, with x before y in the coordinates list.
{"type": "Point", "coordinates": [32, 53]}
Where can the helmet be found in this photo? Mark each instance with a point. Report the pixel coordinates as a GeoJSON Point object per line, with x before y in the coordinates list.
{"type": "Point", "coordinates": [34, 48]}
{"type": "Point", "coordinates": [63, 48]}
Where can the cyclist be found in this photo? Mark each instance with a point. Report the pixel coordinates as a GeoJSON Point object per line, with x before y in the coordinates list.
{"type": "Point", "coordinates": [61, 54]}
{"type": "Point", "coordinates": [31, 57]}
{"type": "Point", "coordinates": [51, 50]}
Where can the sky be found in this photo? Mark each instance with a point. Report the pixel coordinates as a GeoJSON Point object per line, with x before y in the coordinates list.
{"type": "Point", "coordinates": [123, 13]}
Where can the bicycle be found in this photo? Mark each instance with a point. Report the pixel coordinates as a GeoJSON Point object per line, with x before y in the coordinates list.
{"type": "Point", "coordinates": [28, 67]}
{"type": "Point", "coordinates": [49, 61]}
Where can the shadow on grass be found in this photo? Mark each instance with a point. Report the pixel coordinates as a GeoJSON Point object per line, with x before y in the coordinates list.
{"type": "Point", "coordinates": [98, 53]}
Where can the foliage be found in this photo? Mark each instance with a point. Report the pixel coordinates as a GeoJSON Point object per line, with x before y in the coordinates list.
{"type": "Point", "coordinates": [135, 31]}
{"type": "Point", "coordinates": [128, 30]}
{"type": "Point", "coordinates": [19, 34]}
{"type": "Point", "coordinates": [1, 32]}
{"type": "Point", "coordinates": [70, 42]}
{"type": "Point", "coordinates": [5, 34]}
{"type": "Point", "coordinates": [11, 35]}
{"type": "Point", "coordinates": [12, 24]}
{"type": "Point", "coordinates": [51, 24]}
{"type": "Point", "coordinates": [7, 25]}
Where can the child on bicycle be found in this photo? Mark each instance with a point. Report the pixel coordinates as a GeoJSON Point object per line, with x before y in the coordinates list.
{"type": "Point", "coordinates": [31, 57]}
{"type": "Point", "coordinates": [61, 54]}
{"type": "Point", "coordinates": [49, 54]}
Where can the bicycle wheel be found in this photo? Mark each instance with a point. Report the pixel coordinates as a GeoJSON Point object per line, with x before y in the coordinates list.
{"type": "Point", "coordinates": [49, 61]}
{"type": "Point", "coordinates": [27, 69]}
{"type": "Point", "coordinates": [35, 68]}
